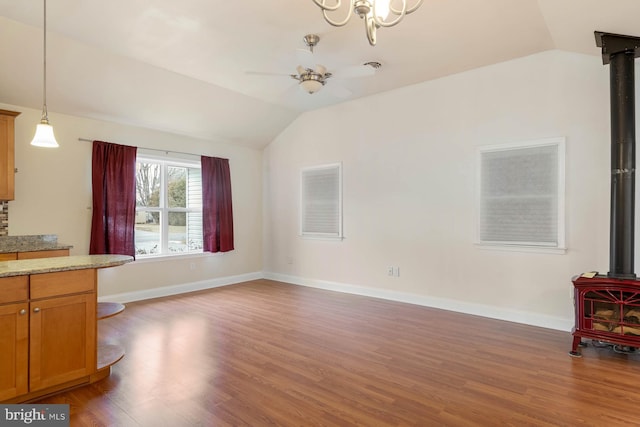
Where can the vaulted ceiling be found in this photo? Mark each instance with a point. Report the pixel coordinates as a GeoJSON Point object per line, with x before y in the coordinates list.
{"type": "Point", "coordinates": [186, 66]}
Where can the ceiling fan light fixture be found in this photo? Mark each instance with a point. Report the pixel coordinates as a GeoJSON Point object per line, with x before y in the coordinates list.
{"type": "Point", "coordinates": [311, 85]}
{"type": "Point", "coordinates": [312, 78]}
{"type": "Point", "coordinates": [374, 12]}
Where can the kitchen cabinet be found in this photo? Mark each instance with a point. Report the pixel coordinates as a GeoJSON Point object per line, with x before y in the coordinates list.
{"type": "Point", "coordinates": [42, 254]}
{"type": "Point", "coordinates": [62, 327]}
{"type": "Point", "coordinates": [48, 325]}
{"type": "Point", "coordinates": [48, 340]}
{"type": "Point", "coordinates": [14, 337]}
{"type": "Point", "coordinates": [7, 154]}
{"type": "Point", "coordinates": [62, 344]}
{"type": "Point", "coordinates": [14, 334]}
{"type": "Point", "coordinates": [48, 253]}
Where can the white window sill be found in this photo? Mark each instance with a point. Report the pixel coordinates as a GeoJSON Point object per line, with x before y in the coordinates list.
{"type": "Point", "coordinates": [518, 248]}
{"type": "Point", "coordinates": [321, 237]}
{"type": "Point", "coordinates": [165, 257]}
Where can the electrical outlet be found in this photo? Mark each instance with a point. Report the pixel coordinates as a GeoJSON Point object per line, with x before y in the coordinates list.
{"type": "Point", "coordinates": [192, 265]}
{"type": "Point", "coordinates": [396, 271]}
{"type": "Point", "coordinates": [390, 271]}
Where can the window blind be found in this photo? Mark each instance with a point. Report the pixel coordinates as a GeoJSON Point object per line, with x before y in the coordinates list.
{"type": "Point", "coordinates": [321, 207]}
{"type": "Point", "coordinates": [519, 195]}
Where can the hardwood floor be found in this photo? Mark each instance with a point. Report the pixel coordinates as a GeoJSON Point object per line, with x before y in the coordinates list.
{"type": "Point", "coordinates": [264, 353]}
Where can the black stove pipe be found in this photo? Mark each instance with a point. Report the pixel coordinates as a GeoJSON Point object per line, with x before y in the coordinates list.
{"type": "Point", "coordinates": [623, 166]}
{"type": "Point", "coordinates": [620, 52]}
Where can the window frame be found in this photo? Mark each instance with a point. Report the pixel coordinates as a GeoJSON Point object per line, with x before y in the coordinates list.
{"type": "Point", "coordinates": [544, 247]}
{"type": "Point", "coordinates": [338, 235]}
{"type": "Point", "coordinates": [166, 161]}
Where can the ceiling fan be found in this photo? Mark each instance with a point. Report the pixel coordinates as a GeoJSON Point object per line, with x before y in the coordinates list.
{"type": "Point", "coordinates": [312, 78]}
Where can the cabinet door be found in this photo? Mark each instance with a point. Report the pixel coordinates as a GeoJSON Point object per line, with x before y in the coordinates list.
{"type": "Point", "coordinates": [7, 157]}
{"type": "Point", "coordinates": [62, 340]}
{"type": "Point", "coordinates": [14, 356]}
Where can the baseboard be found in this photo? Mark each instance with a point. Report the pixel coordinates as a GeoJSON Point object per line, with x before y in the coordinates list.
{"type": "Point", "coordinates": [180, 289]}
{"type": "Point", "coordinates": [533, 319]}
{"type": "Point", "coordinates": [527, 318]}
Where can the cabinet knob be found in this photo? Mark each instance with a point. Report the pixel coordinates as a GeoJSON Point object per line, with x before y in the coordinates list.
{"type": "Point", "coordinates": [36, 310]}
{"type": "Point", "coordinates": [23, 312]}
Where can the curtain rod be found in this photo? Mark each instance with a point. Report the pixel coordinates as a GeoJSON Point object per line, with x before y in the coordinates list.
{"type": "Point", "coordinates": [150, 149]}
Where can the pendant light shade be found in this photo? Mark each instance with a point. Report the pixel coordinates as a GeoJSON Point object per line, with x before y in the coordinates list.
{"type": "Point", "coordinates": [44, 132]}
{"type": "Point", "coordinates": [44, 135]}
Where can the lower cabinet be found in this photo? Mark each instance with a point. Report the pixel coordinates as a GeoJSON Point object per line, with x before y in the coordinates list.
{"type": "Point", "coordinates": [48, 340]}
{"type": "Point", "coordinates": [62, 344]}
{"type": "Point", "coordinates": [14, 350]}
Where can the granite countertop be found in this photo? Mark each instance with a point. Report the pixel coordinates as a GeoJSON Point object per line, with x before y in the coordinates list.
{"type": "Point", "coordinates": [40, 242]}
{"type": "Point", "coordinates": [67, 263]}
{"type": "Point", "coordinates": [35, 247]}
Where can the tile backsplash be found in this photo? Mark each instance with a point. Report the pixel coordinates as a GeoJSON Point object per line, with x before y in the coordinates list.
{"type": "Point", "coordinates": [4, 218]}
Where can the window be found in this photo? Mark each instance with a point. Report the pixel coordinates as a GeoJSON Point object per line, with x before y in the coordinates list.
{"type": "Point", "coordinates": [321, 201]}
{"type": "Point", "coordinates": [521, 194]}
{"type": "Point", "coordinates": [168, 206]}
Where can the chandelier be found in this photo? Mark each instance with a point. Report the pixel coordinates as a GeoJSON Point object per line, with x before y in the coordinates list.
{"type": "Point", "coordinates": [374, 12]}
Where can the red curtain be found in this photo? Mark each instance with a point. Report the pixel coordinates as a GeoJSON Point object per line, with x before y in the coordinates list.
{"type": "Point", "coordinates": [217, 215]}
{"type": "Point", "coordinates": [114, 199]}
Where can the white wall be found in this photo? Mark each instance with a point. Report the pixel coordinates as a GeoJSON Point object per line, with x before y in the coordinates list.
{"type": "Point", "coordinates": [409, 165]}
{"type": "Point", "coordinates": [409, 169]}
{"type": "Point", "coordinates": [53, 196]}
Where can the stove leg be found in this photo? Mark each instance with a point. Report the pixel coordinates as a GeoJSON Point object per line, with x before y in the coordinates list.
{"type": "Point", "coordinates": [574, 348]}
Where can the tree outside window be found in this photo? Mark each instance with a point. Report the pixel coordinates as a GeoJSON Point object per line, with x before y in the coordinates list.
{"type": "Point", "coordinates": [168, 207]}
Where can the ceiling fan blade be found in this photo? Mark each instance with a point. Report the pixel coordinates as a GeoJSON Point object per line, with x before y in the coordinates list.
{"type": "Point", "coordinates": [354, 71]}
{"type": "Point", "coordinates": [261, 73]}
{"type": "Point", "coordinates": [291, 91]}
{"type": "Point", "coordinates": [337, 90]}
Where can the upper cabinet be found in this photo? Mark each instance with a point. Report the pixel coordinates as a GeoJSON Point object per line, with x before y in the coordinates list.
{"type": "Point", "coordinates": [7, 156]}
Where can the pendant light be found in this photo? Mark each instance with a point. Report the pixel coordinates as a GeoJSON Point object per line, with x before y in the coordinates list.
{"type": "Point", "coordinates": [44, 132]}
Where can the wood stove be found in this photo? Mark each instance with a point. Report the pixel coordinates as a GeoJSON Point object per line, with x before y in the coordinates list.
{"type": "Point", "coordinates": [607, 308]}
